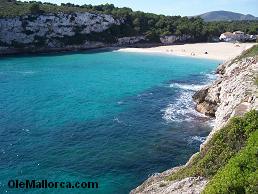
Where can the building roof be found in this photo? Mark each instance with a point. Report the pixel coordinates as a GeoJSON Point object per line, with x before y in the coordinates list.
{"type": "Point", "coordinates": [228, 33]}
{"type": "Point", "coordinates": [238, 32]}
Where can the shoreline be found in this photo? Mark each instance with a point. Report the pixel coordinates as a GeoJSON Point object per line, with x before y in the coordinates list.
{"type": "Point", "coordinates": [221, 51]}
{"type": "Point", "coordinates": [95, 47]}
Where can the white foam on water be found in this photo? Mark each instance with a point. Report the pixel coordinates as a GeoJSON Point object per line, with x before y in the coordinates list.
{"type": "Point", "coordinates": [117, 120]}
{"type": "Point", "coordinates": [196, 138]}
{"type": "Point", "coordinates": [3, 151]}
{"type": "Point", "coordinates": [26, 130]}
{"type": "Point", "coordinates": [211, 76]}
{"type": "Point", "coordinates": [23, 72]}
{"type": "Point", "coordinates": [212, 123]}
{"type": "Point", "coordinates": [29, 72]}
{"type": "Point", "coordinates": [120, 102]}
{"type": "Point", "coordinates": [145, 94]}
{"type": "Point", "coordinates": [182, 109]}
{"type": "Point", "coordinates": [193, 87]}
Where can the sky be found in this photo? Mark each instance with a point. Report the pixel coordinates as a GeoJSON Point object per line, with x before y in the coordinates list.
{"type": "Point", "coordinates": [176, 7]}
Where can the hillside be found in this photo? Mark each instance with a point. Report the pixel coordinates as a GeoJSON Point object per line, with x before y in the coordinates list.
{"type": "Point", "coordinates": [226, 16]}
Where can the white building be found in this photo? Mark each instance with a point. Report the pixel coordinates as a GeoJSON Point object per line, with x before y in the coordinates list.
{"type": "Point", "coordinates": [237, 36]}
{"type": "Point", "coordinates": [240, 36]}
{"type": "Point", "coordinates": [238, 33]}
{"type": "Point", "coordinates": [227, 37]}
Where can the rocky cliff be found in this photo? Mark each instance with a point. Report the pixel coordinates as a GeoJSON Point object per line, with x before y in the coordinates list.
{"type": "Point", "coordinates": [48, 32]}
{"type": "Point", "coordinates": [173, 39]}
{"type": "Point", "coordinates": [55, 31]}
{"type": "Point", "coordinates": [31, 28]}
{"type": "Point", "coordinates": [158, 184]}
{"type": "Point", "coordinates": [234, 93]}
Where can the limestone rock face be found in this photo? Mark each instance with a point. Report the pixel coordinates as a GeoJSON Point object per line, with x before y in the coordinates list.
{"type": "Point", "coordinates": [207, 100]}
{"type": "Point", "coordinates": [207, 108]}
{"type": "Point", "coordinates": [204, 104]}
{"type": "Point", "coordinates": [53, 30]}
{"type": "Point", "coordinates": [173, 39]}
{"type": "Point", "coordinates": [130, 40]}
{"type": "Point", "coordinates": [233, 94]}
{"type": "Point", "coordinates": [200, 95]}
{"type": "Point", "coordinates": [235, 85]}
{"type": "Point", "coordinates": [158, 184]}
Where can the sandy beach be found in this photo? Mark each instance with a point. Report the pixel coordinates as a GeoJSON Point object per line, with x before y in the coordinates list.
{"type": "Point", "coordinates": [218, 51]}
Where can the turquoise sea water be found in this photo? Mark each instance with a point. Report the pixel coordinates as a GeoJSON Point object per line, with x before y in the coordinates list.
{"type": "Point", "coordinates": [110, 117]}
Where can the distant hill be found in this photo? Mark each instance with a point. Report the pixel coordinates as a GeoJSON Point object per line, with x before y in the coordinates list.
{"type": "Point", "coordinates": [226, 16]}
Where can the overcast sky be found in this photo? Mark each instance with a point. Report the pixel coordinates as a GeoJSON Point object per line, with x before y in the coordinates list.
{"type": "Point", "coordinates": [176, 7]}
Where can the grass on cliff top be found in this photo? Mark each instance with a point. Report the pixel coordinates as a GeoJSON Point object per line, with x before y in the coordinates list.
{"type": "Point", "coordinates": [250, 52]}
{"type": "Point", "coordinates": [253, 51]}
{"type": "Point", "coordinates": [224, 145]}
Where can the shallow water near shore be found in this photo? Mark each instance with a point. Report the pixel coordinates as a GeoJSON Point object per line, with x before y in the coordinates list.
{"type": "Point", "coordinates": [110, 117]}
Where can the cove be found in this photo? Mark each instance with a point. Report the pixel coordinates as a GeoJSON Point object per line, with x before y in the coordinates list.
{"type": "Point", "coordinates": [109, 117]}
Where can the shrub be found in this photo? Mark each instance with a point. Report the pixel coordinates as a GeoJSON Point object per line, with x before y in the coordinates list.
{"type": "Point", "coordinates": [253, 51]}
{"type": "Point", "coordinates": [35, 8]}
{"type": "Point", "coordinates": [240, 175]}
{"type": "Point", "coordinates": [221, 148]}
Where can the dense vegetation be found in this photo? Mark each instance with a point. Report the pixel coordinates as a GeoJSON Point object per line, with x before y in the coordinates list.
{"type": "Point", "coordinates": [224, 158]}
{"type": "Point", "coordinates": [240, 175]}
{"type": "Point", "coordinates": [136, 22]}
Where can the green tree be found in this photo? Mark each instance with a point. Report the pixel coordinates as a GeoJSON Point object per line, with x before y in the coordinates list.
{"type": "Point", "coordinates": [35, 8]}
{"type": "Point", "coordinates": [152, 36]}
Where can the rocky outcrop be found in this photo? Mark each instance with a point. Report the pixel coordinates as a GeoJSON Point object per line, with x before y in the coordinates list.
{"type": "Point", "coordinates": [130, 40]}
{"type": "Point", "coordinates": [205, 103]}
{"type": "Point", "coordinates": [174, 39]}
{"type": "Point", "coordinates": [31, 28]}
{"type": "Point", "coordinates": [234, 93]}
{"type": "Point", "coordinates": [55, 31]}
{"type": "Point", "coordinates": [159, 184]}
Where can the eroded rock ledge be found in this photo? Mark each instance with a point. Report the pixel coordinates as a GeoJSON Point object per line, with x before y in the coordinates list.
{"type": "Point", "coordinates": [234, 93]}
